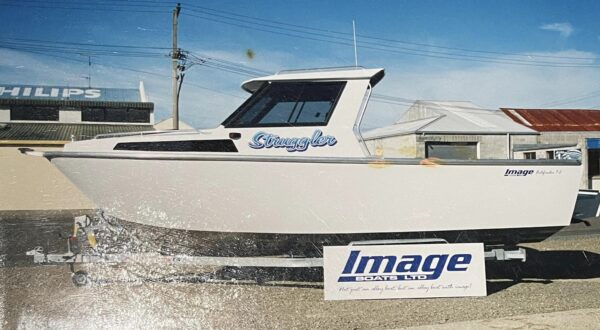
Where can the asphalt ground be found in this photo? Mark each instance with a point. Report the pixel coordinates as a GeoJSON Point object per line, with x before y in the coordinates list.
{"type": "Point", "coordinates": [561, 274]}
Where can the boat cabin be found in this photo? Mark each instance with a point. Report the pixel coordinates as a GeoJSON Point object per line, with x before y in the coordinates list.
{"type": "Point", "coordinates": [292, 113]}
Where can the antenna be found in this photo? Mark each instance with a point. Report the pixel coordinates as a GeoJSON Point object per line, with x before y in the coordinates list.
{"type": "Point", "coordinates": [355, 52]}
{"type": "Point", "coordinates": [89, 71]}
{"type": "Point", "coordinates": [89, 76]}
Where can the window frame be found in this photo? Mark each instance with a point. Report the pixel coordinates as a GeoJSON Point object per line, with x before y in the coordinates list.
{"type": "Point", "coordinates": [242, 109]}
{"type": "Point", "coordinates": [30, 109]}
{"type": "Point", "coordinates": [474, 144]}
{"type": "Point", "coordinates": [104, 111]}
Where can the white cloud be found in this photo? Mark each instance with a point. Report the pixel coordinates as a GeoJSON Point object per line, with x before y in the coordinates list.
{"type": "Point", "coordinates": [491, 86]}
{"type": "Point", "coordinates": [565, 29]}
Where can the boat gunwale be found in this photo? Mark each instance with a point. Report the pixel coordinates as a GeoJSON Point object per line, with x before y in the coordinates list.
{"type": "Point", "coordinates": [203, 156]}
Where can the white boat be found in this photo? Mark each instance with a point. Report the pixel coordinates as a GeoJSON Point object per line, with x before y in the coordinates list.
{"type": "Point", "coordinates": [291, 161]}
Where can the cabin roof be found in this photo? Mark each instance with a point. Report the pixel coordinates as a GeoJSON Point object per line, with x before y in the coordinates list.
{"type": "Point", "coordinates": [375, 75]}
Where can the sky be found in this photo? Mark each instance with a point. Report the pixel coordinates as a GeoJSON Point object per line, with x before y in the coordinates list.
{"type": "Point", "coordinates": [522, 54]}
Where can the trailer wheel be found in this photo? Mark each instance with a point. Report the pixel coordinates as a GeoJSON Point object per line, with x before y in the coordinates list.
{"type": "Point", "coordinates": [80, 278]}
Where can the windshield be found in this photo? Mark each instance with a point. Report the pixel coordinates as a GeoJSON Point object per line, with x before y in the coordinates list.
{"type": "Point", "coordinates": [288, 104]}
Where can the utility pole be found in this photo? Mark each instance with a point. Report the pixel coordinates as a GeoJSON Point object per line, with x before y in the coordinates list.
{"type": "Point", "coordinates": [175, 63]}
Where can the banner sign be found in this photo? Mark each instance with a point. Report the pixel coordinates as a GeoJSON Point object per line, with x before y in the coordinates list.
{"type": "Point", "coordinates": [404, 271]}
{"type": "Point", "coordinates": [29, 92]}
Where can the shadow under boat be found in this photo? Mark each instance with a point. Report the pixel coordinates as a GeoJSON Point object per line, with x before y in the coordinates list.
{"type": "Point", "coordinates": [133, 237]}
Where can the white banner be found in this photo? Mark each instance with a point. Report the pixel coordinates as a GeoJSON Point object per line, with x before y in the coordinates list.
{"type": "Point", "coordinates": [404, 271]}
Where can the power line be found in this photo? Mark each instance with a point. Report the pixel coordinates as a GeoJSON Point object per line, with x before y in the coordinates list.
{"type": "Point", "coordinates": [79, 50]}
{"type": "Point", "coordinates": [387, 48]}
{"type": "Point", "coordinates": [82, 43]}
{"type": "Point", "coordinates": [570, 100]}
{"type": "Point", "coordinates": [346, 41]}
{"type": "Point", "coordinates": [129, 10]}
{"type": "Point", "coordinates": [227, 66]}
{"type": "Point", "coordinates": [125, 69]}
{"type": "Point", "coordinates": [260, 21]}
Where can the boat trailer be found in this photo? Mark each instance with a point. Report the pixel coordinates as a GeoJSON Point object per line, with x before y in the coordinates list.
{"type": "Point", "coordinates": [84, 234]}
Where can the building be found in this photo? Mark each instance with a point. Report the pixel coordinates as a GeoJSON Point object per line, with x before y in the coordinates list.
{"type": "Point", "coordinates": [449, 130]}
{"type": "Point", "coordinates": [563, 133]}
{"type": "Point", "coordinates": [167, 124]}
{"type": "Point", "coordinates": [47, 117]}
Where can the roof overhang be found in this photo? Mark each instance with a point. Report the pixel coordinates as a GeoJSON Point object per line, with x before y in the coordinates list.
{"type": "Point", "coordinates": [78, 103]}
{"type": "Point", "coordinates": [9, 143]}
{"type": "Point", "coordinates": [532, 147]}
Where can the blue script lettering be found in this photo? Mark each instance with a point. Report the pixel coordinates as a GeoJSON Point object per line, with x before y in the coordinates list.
{"type": "Point", "coordinates": [267, 140]}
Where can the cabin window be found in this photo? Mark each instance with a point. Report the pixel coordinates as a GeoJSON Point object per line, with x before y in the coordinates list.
{"type": "Point", "coordinates": [180, 146]}
{"type": "Point", "coordinates": [451, 150]}
{"type": "Point", "coordinates": [529, 155]}
{"type": "Point", "coordinates": [288, 104]}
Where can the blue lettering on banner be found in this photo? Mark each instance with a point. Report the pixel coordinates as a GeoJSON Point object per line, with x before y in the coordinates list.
{"type": "Point", "coordinates": [401, 268]}
{"type": "Point", "coordinates": [267, 140]}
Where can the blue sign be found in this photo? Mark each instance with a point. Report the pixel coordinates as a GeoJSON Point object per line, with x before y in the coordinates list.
{"type": "Point", "coordinates": [403, 271]}
{"type": "Point", "coordinates": [593, 143]}
{"type": "Point", "coordinates": [401, 268]}
{"type": "Point", "coordinates": [267, 140]}
{"type": "Point", "coordinates": [29, 92]}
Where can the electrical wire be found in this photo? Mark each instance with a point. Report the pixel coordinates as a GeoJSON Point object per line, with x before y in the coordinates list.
{"type": "Point", "coordinates": [21, 4]}
{"type": "Point", "coordinates": [81, 43]}
{"type": "Point", "coordinates": [362, 36]}
{"type": "Point", "coordinates": [322, 36]}
{"type": "Point", "coordinates": [570, 100]}
{"type": "Point", "coordinates": [125, 69]}
{"type": "Point", "coordinates": [392, 49]}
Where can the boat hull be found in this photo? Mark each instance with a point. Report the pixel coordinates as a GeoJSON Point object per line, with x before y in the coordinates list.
{"type": "Point", "coordinates": [326, 197]}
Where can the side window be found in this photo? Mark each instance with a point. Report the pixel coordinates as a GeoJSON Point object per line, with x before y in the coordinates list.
{"type": "Point", "coordinates": [451, 150]}
{"type": "Point", "coordinates": [280, 113]}
{"type": "Point", "coordinates": [34, 113]}
{"type": "Point", "coordinates": [314, 112]}
{"type": "Point", "coordinates": [115, 115]}
{"type": "Point", "coordinates": [289, 104]}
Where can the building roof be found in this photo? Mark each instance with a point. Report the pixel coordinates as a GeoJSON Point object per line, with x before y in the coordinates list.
{"type": "Point", "coordinates": [450, 117]}
{"type": "Point", "coordinates": [541, 146]}
{"type": "Point", "coordinates": [464, 117]}
{"type": "Point", "coordinates": [399, 128]}
{"type": "Point", "coordinates": [13, 133]}
{"type": "Point", "coordinates": [167, 124]}
{"type": "Point", "coordinates": [548, 120]}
